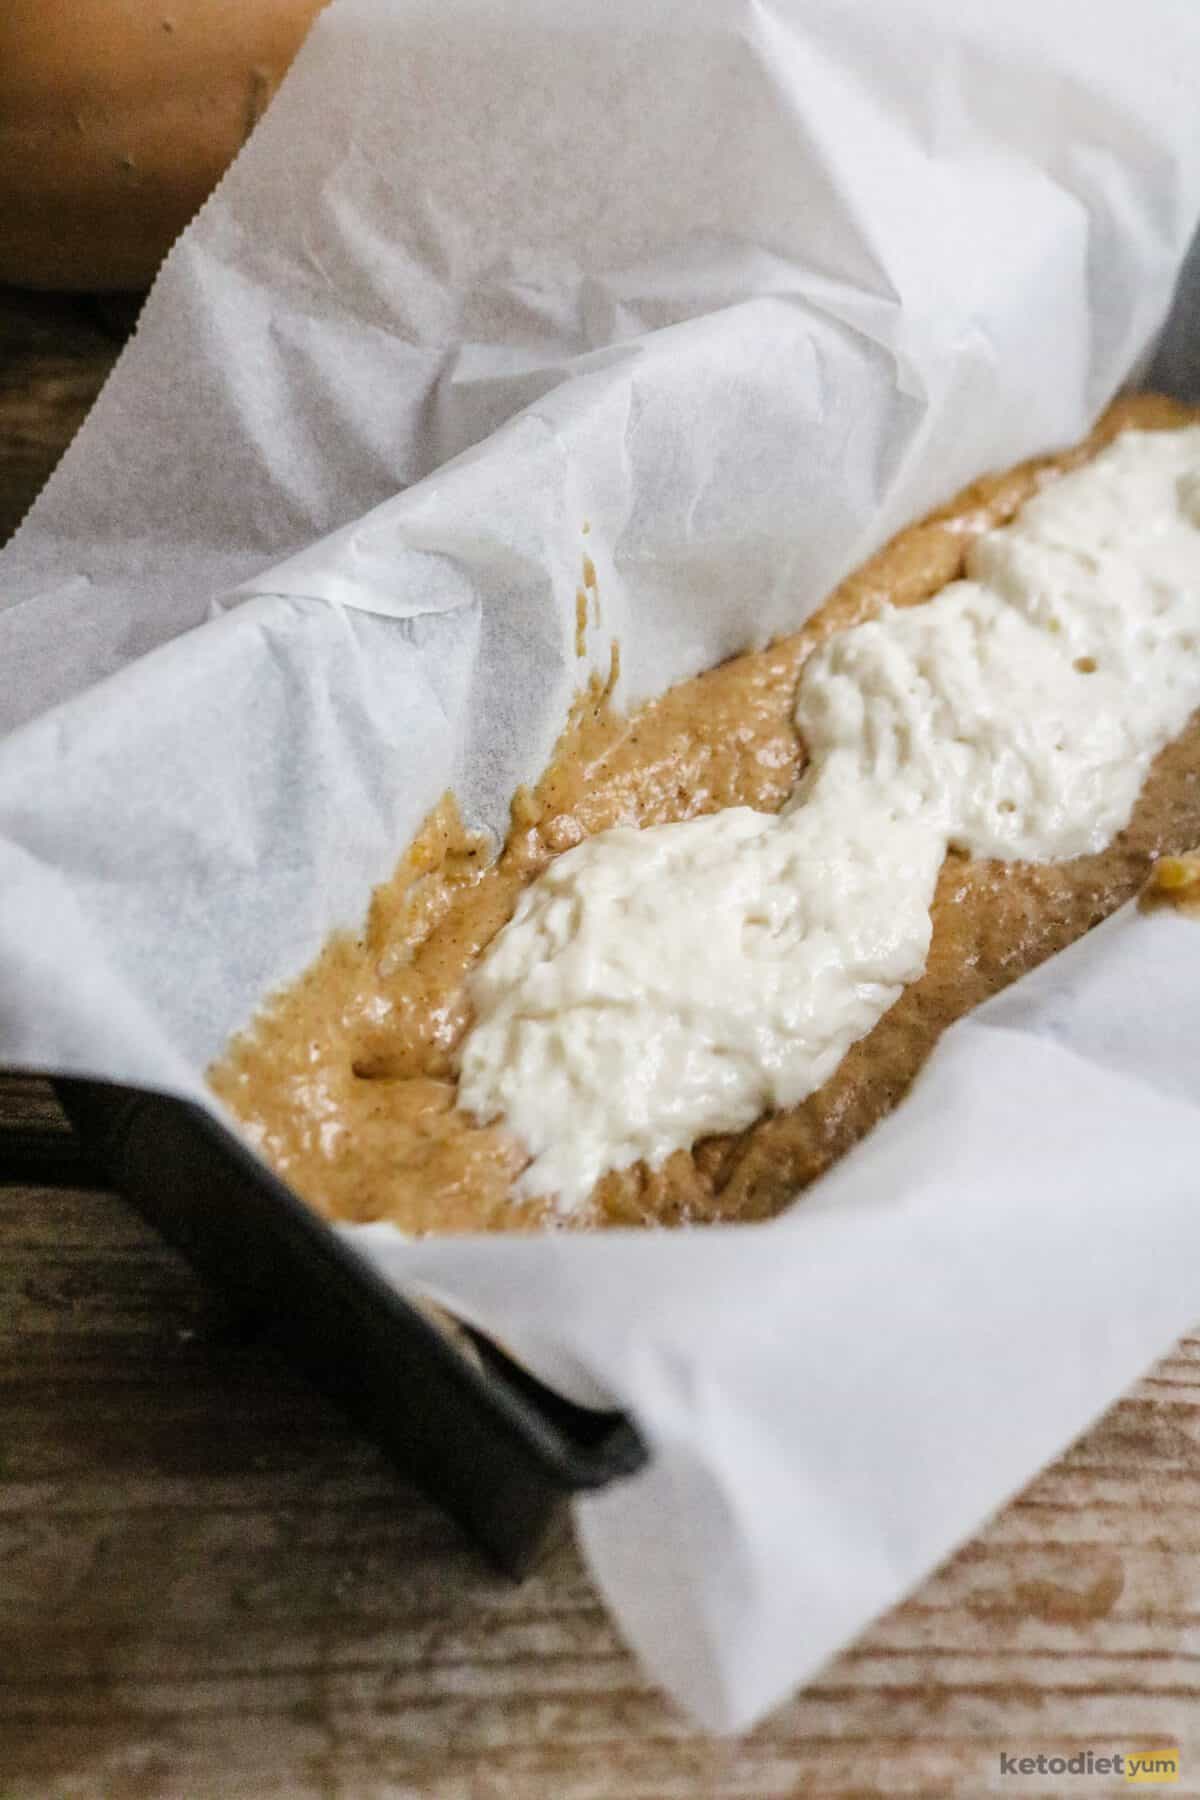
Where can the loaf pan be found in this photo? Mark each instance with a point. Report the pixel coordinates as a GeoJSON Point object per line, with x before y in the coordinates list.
{"type": "Point", "coordinates": [494, 1447]}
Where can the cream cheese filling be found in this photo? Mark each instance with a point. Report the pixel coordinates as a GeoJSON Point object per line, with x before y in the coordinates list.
{"type": "Point", "coordinates": [655, 986]}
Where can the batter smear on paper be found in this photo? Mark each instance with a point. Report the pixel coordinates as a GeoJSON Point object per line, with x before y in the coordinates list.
{"type": "Point", "coordinates": [347, 1080]}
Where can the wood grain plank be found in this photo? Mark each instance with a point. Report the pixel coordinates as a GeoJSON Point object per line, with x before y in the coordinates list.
{"type": "Point", "coordinates": [55, 354]}
{"type": "Point", "coordinates": [36, 1141]}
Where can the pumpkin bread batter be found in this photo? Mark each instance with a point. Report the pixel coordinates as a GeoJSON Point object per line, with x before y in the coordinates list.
{"type": "Point", "coordinates": [345, 1082]}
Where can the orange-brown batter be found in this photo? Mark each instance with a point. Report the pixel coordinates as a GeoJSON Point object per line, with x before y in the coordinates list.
{"type": "Point", "coordinates": [1175, 883]}
{"type": "Point", "coordinates": [346, 1079]}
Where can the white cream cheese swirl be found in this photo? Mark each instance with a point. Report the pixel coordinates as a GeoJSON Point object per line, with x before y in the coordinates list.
{"type": "Point", "coordinates": [656, 986]}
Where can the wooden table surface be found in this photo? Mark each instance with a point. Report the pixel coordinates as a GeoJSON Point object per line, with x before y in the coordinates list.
{"type": "Point", "coordinates": [209, 1585]}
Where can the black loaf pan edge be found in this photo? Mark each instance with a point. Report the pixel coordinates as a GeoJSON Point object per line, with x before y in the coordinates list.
{"type": "Point", "coordinates": [480, 1436]}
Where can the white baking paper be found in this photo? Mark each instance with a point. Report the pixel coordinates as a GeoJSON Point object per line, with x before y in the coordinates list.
{"type": "Point", "coordinates": [742, 287]}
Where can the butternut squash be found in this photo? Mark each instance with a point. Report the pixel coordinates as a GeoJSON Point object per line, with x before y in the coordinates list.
{"type": "Point", "coordinates": [116, 119]}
